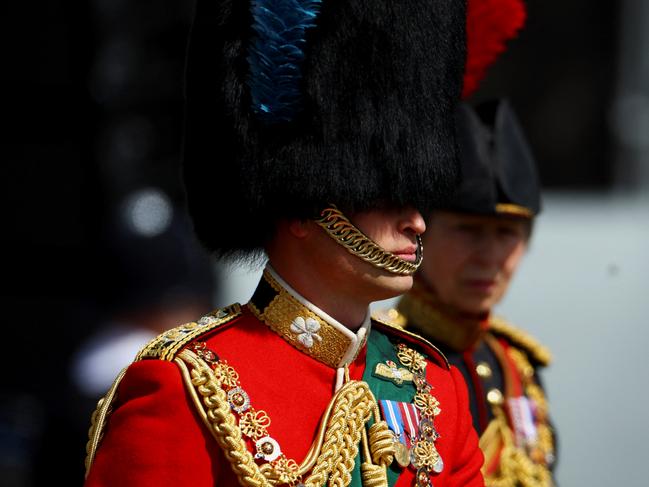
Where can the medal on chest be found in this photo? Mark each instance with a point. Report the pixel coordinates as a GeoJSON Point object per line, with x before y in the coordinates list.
{"type": "Point", "coordinates": [403, 420]}
{"type": "Point", "coordinates": [413, 424]}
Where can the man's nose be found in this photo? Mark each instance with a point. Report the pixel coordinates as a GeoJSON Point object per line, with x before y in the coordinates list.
{"type": "Point", "coordinates": [489, 250]}
{"type": "Point", "coordinates": [411, 221]}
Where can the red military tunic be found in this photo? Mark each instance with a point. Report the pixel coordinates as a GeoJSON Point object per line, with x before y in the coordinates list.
{"type": "Point", "coordinates": [156, 432]}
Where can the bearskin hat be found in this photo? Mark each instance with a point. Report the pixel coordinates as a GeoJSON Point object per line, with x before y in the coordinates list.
{"type": "Point", "coordinates": [292, 105]}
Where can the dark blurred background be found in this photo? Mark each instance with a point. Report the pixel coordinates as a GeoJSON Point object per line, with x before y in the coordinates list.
{"type": "Point", "coordinates": [92, 102]}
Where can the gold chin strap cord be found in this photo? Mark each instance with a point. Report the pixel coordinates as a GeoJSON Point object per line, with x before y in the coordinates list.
{"type": "Point", "coordinates": [360, 245]}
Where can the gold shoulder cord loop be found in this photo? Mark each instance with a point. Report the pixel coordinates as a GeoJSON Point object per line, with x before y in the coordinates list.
{"type": "Point", "coordinates": [378, 453]}
{"type": "Point", "coordinates": [98, 421]}
{"type": "Point", "coordinates": [331, 457]}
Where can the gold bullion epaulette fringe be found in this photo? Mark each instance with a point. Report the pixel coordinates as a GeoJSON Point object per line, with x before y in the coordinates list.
{"type": "Point", "coordinates": [521, 339]}
{"type": "Point", "coordinates": [166, 345]}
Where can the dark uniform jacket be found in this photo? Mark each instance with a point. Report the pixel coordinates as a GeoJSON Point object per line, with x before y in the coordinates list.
{"type": "Point", "coordinates": [499, 363]}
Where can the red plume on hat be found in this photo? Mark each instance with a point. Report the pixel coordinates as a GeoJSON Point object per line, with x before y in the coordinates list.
{"type": "Point", "coordinates": [490, 24]}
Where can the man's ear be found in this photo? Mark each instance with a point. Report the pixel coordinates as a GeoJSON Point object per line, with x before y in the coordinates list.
{"type": "Point", "coordinates": [300, 228]}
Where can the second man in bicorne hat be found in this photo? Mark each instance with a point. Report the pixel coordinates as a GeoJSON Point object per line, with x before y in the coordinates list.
{"type": "Point", "coordinates": [474, 245]}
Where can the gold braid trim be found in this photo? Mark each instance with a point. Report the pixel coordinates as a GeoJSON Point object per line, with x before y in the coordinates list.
{"type": "Point", "coordinates": [380, 449]}
{"type": "Point", "coordinates": [538, 352]}
{"type": "Point", "coordinates": [223, 424]}
{"type": "Point", "coordinates": [334, 450]}
{"type": "Point", "coordinates": [373, 475]}
{"type": "Point", "coordinates": [163, 347]}
{"type": "Point", "coordinates": [98, 421]}
{"type": "Point", "coordinates": [545, 443]}
{"type": "Point", "coordinates": [381, 443]}
{"type": "Point", "coordinates": [519, 467]}
{"type": "Point", "coordinates": [519, 471]}
{"type": "Point", "coordinates": [167, 344]}
{"type": "Point", "coordinates": [516, 469]}
{"type": "Point", "coordinates": [360, 245]}
{"type": "Point", "coordinates": [513, 210]}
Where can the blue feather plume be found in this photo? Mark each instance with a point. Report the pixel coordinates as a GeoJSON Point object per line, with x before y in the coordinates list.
{"type": "Point", "coordinates": [275, 55]}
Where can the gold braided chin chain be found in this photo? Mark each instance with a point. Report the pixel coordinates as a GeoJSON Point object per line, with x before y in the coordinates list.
{"type": "Point", "coordinates": [357, 243]}
{"type": "Point", "coordinates": [332, 456]}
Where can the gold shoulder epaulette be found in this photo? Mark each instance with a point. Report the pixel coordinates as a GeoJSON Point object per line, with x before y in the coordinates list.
{"type": "Point", "coordinates": [392, 327]}
{"type": "Point", "coordinates": [166, 345]}
{"type": "Point", "coordinates": [522, 339]}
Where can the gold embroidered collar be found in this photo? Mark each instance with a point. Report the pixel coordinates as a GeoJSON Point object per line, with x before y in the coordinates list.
{"type": "Point", "coordinates": [304, 325]}
{"type": "Point", "coordinates": [425, 314]}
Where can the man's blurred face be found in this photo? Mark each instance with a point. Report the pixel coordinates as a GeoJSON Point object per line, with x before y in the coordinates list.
{"type": "Point", "coordinates": [469, 260]}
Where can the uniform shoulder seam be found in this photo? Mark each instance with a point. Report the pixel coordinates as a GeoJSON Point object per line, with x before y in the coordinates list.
{"type": "Point", "coordinates": [522, 339]}
{"type": "Point", "coordinates": [166, 345]}
{"type": "Point", "coordinates": [412, 337]}
{"type": "Point", "coordinates": [391, 317]}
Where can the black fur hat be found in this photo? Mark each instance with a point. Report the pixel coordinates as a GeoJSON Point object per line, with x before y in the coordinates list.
{"type": "Point", "coordinates": [498, 175]}
{"type": "Point", "coordinates": [373, 123]}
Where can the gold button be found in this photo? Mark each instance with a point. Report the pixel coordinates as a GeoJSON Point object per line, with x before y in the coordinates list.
{"type": "Point", "coordinates": [483, 370]}
{"type": "Point", "coordinates": [267, 448]}
{"type": "Point", "coordinates": [495, 397]}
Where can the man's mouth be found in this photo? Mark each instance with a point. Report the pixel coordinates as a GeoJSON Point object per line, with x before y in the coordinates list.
{"type": "Point", "coordinates": [483, 285]}
{"type": "Point", "coordinates": [409, 253]}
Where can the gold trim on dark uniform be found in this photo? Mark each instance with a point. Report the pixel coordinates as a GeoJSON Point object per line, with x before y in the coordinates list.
{"type": "Point", "coordinates": [522, 339]}
{"type": "Point", "coordinates": [513, 210]}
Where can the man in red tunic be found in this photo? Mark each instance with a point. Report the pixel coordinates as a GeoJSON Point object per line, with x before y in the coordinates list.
{"type": "Point", "coordinates": [308, 138]}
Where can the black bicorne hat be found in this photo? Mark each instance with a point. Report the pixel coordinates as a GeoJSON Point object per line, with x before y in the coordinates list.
{"type": "Point", "coordinates": [360, 114]}
{"type": "Point", "coordinates": [499, 175]}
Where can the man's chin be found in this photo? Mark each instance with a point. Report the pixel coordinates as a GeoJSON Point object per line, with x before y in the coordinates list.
{"type": "Point", "coordinates": [392, 285]}
{"type": "Point", "coordinates": [475, 306]}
